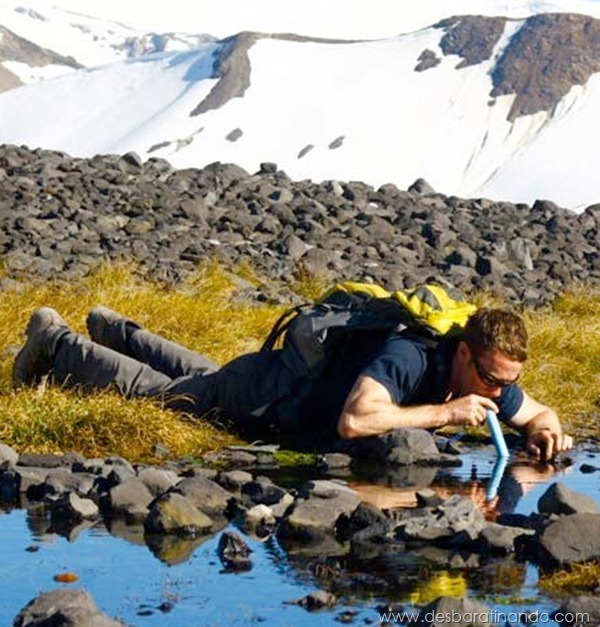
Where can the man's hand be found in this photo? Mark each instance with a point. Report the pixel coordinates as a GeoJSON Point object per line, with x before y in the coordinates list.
{"type": "Point", "coordinates": [546, 443]}
{"type": "Point", "coordinates": [469, 410]}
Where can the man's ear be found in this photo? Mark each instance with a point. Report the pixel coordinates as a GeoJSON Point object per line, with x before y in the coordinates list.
{"type": "Point", "coordinates": [463, 350]}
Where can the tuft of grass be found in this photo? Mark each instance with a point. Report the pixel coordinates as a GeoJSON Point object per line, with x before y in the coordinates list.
{"type": "Point", "coordinates": [203, 315]}
{"type": "Point", "coordinates": [197, 314]}
{"type": "Point", "coordinates": [564, 364]}
{"type": "Point", "coordinates": [574, 578]}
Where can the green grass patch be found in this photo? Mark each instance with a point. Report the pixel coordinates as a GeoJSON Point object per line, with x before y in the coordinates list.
{"type": "Point", "coordinates": [203, 315]}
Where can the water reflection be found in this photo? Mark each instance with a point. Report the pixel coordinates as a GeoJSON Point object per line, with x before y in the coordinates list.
{"type": "Point", "coordinates": [496, 494]}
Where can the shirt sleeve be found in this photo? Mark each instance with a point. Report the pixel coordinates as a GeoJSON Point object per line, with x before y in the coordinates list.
{"type": "Point", "coordinates": [510, 402]}
{"type": "Point", "coordinates": [399, 367]}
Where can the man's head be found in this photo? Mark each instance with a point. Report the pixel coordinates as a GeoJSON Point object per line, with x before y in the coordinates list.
{"type": "Point", "coordinates": [491, 352]}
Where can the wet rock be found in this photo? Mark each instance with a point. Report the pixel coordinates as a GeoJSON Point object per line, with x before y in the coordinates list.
{"type": "Point", "coordinates": [233, 551]}
{"type": "Point", "coordinates": [259, 521]}
{"type": "Point", "coordinates": [72, 508]}
{"type": "Point", "coordinates": [157, 480]}
{"type": "Point", "coordinates": [263, 491]}
{"type": "Point", "coordinates": [580, 611]}
{"type": "Point", "coordinates": [457, 515]}
{"type": "Point", "coordinates": [173, 513]}
{"type": "Point", "coordinates": [428, 498]}
{"type": "Point", "coordinates": [48, 460]}
{"type": "Point", "coordinates": [401, 447]}
{"type": "Point", "coordinates": [560, 499]}
{"type": "Point", "coordinates": [317, 600]}
{"type": "Point", "coordinates": [130, 500]}
{"type": "Point", "coordinates": [569, 539]}
{"type": "Point", "coordinates": [501, 538]}
{"type": "Point", "coordinates": [461, 611]}
{"type": "Point", "coordinates": [234, 480]}
{"type": "Point", "coordinates": [75, 608]}
{"type": "Point", "coordinates": [61, 480]}
{"type": "Point", "coordinates": [8, 456]}
{"type": "Point", "coordinates": [317, 509]}
{"type": "Point", "coordinates": [333, 461]}
{"type": "Point", "coordinates": [205, 494]}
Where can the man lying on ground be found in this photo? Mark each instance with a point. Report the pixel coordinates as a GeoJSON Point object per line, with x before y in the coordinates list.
{"type": "Point", "coordinates": [377, 387]}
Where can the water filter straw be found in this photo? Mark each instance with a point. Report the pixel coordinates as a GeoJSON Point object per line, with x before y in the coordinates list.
{"type": "Point", "coordinates": [497, 435]}
{"type": "Point", "coordinates": [497, 474]}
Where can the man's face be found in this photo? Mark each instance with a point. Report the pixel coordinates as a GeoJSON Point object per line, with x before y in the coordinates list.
{"type": "Point", "coordinates": [488, 373]}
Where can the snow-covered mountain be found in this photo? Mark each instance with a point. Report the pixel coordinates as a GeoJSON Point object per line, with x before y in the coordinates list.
{"type": "Point", "coordinates": [496, 107]}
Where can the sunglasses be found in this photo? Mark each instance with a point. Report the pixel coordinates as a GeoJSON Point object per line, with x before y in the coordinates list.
{"type": "Point", "coordinates": [487, 378]}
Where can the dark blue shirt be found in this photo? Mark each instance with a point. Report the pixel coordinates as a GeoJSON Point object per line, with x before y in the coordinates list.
{"type": "Point", "coordinates": [415, 374]}
{"type": "Point", "coordinates": [412, 371]}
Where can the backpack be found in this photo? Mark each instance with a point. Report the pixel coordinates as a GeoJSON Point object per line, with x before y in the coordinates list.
{"type": "Point", "coordinates": [309, 334]}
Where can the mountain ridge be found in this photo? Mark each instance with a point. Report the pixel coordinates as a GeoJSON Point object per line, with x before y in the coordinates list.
{"type": "Point", "coordinates": [503, 86]}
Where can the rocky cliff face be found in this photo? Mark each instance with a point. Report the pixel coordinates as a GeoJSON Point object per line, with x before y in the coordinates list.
{"type": "Point", "coordinates": [62, 217]}
{"type": "Point", "coordinates": [547, 56]}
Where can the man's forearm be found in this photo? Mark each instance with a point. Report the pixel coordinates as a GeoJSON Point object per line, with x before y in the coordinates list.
{"type": "Point", "coordinates": [381, 417]}
{"type": "Point", "coordinates": [546, 419]}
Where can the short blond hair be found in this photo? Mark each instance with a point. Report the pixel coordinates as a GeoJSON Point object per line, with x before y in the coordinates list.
{"type": "Point", "coordinates": [496, 330]}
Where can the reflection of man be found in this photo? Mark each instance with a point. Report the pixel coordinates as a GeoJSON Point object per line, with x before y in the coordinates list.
{"type": "Point", "coordinates": [518, 479]}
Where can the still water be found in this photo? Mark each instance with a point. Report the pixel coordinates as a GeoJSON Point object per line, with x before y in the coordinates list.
{"type": "Point", "coordinates": [185, 585]}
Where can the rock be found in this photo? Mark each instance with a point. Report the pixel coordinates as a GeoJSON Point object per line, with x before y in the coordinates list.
{"type": "Point", "coordinates": [72, 508]}
{"type": "Point", "coordinates": [460, 610]}
{"type": "Point", "coordinates": [501, 538]}
{"type": "Point", "coordinates": [333, 461]}
{"type": "Point", "coordinates": [70, 215]}
{"type": "Point", "coordinates": [206, 495]}
{"type": "Point", "coordinates": [74, 608]}
{"type": "Point", "coordinates": [421, 186]}
{"type": "Point", "coordinates": [580, 611]}
{"type": "Point", "coordinates": [157, 480]}
{"type": "Point", "coordinates": [317, 600]}
{"type": "Point", "coordinates": [569, 539]}
{"type": "Point", "coordinates": [130, 499]}
{"type": "Point", "coordinates": [173, 513]}
{"type": "Point", "coordinates": [8, 457]}
{"type": "Point", "coordinates": [317, 508]}
{"type": "Point", "coordinates": [456, 515]}
{"type": "Point", "coordinates": [401, 447]}
{"type": "Point", "coordinates": [560, 499]}
{"type": "Point", "coordinates": [234, 552]}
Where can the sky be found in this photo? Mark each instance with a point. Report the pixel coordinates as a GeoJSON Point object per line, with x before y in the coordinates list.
{"type": "Point", "coordinates": [325, 18]}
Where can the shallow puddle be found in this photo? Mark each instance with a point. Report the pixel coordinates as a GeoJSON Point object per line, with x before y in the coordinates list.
{"type": "Point", "coordinates": [182, 583]}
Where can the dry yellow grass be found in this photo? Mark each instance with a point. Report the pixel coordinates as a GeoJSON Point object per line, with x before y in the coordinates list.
{"type": "Point", "coordinates": [198, 314]}
{"type": "Point", "coordinates": [562, 371]}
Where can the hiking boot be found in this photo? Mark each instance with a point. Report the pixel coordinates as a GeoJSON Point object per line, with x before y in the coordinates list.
{"type": "Point", "coordinates": [109, 328]}
{"type": "Point", "coordinates": [35, 359]}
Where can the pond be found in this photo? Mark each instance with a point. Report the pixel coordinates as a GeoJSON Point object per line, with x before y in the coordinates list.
{"type": "Point", "coordinates": [184, 584]}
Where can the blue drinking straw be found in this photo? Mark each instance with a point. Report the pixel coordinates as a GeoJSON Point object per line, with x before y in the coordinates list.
{"type": "Point", "coordinates": [501, 449]}
{"type": "Point", "coordinates": [497, 435]}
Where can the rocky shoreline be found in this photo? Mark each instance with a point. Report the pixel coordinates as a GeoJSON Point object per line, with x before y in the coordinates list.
{"type": "Point", "coordinates": [62, 217]}
{"type": "Point", "coordinates": [179, 503]}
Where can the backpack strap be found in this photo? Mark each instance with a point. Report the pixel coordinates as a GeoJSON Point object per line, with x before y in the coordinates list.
{"type": "Point", "coordinates": [281, 326]}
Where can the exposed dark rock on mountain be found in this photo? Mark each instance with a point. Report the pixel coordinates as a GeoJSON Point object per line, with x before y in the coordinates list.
{"type": "Point", "coordinates": [62, 217]}
{"type": "Point", "coordinates": [471, 37]}
{"type": "Point", "coordinates": [232, 68]}
{"type": "Point", "coordinates": [549, 54]}
{"type": "Point", "coordinates": [15, 48]}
